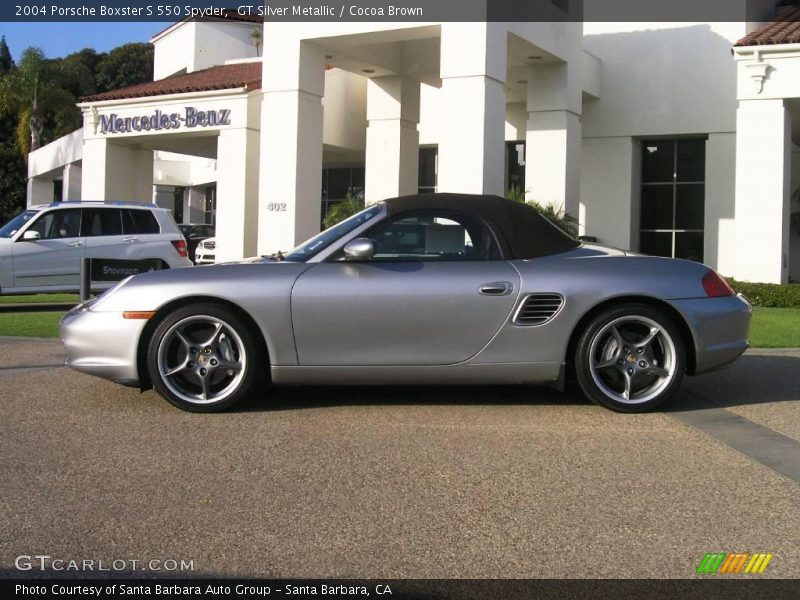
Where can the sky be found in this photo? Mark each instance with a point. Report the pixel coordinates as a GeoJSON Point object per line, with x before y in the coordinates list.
{"type": "Point", "coordinates": [60, 39]}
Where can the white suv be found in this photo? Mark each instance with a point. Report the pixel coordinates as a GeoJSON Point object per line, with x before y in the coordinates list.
{"type": "Point", "coordinates": [42, 248]}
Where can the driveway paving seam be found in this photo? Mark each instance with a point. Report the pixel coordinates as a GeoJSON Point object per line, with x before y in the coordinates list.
{"type": "Point", "coordinates": [758, 443]}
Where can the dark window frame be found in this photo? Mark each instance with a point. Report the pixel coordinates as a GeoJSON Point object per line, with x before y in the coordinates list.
{"type": "Point", "coordinates": [674, 185]}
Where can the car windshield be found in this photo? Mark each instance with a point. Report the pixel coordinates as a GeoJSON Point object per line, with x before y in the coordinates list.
{"type": "Point", "coordinates": [13, 226]}
{"type": "Point", "coordinates": [322, 240]}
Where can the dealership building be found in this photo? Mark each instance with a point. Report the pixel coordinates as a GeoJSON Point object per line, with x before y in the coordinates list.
{"type": "Point", "coordinates": [677, 139]}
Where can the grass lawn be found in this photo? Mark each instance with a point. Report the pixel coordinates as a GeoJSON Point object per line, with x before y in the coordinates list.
{"type": "Point", "coordinates": [775, 328]}
{"type": "Point", "coordinates": [34, 324]}
{"type": "Point", "coordinates": [771, 327]}
{"type": "Point", "coordinates": [39, 298]}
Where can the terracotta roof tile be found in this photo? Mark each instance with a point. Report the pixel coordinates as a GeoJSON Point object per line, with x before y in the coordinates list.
{"type": "Point", "coordinates": [216, 78]}
{"type": "Point", "coordinates": [783, 30]}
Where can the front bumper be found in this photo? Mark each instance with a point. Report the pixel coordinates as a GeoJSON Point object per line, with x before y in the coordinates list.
{"type": "Point", "coordinates": [102, 344]}
{"type": "Point", "coordinates": [720, 327]}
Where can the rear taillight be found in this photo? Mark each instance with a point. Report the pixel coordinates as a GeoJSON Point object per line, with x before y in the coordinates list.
{"type": "Point", "coordinates": [715, 286]}
{"type": "Point", "coordinates": [180, 247]}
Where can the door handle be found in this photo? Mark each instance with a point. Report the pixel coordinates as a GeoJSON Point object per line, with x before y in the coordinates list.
{"type": "Point", "coordinates": [130, 239]}
{"type": "Point", "coordinates": [76, 244]}
{"type": "Point", "coordinates": [498, 288]}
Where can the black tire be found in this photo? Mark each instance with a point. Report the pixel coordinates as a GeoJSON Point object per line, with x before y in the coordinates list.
{"type": "Point", "coordinates": [610, 366]}
{"type": "Point", "coordinates": [189, 341]}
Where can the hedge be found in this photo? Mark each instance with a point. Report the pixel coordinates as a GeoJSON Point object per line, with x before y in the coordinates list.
{"type": "Point", "coordinates": [769, 295]}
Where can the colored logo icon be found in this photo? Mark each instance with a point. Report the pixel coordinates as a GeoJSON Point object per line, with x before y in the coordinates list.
{"type": "Point", "coordinates": [735, 562]}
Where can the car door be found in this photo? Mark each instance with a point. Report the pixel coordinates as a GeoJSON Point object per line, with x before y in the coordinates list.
{"type": "Point", "coordinates": [142, 233]}
{"type": "Point", "coordinates": [435, 293]}
{"type": "Point", "coordinates": [105, 237]}
{"type": "Point", "coordinates": [55, 259]}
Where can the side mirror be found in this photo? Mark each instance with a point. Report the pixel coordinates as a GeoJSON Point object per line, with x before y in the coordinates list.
{"type": "Point", "coordinates": [359, 249]}
{"type": "Point", "coordinates": [31, 236]}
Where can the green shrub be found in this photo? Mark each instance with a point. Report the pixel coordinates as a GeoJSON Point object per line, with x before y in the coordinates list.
{"type": "Point", "coordinates": [769, 295]}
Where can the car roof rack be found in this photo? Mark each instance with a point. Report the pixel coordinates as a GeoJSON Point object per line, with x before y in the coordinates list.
{"type": "Point", "coordinates": [129, 203]}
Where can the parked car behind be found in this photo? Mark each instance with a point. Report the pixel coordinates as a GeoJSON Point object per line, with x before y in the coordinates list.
{"type": "Point", "coordinates": [194, 234]}
{"type": "Point", "coordinates": [206, 253]}
{"type": "Point", "coordinates": [42, 248]}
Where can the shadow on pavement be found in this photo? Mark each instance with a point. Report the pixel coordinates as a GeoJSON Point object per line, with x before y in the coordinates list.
{"type": "Point", "coordinates": [753, 379]}
{"type": "Point", "coordinates": [302, 397]}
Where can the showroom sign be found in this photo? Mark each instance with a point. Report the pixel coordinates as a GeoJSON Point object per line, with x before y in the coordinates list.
{"type": "Point", "coordinates": [159, 120]}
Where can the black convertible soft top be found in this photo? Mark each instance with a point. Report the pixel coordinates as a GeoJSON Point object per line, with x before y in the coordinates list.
{"type": "Point", "coordinates": [522, 231]}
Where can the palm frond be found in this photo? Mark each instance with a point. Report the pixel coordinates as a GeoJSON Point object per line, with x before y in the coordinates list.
{"type": "Point", "coordinates": [343, 210]}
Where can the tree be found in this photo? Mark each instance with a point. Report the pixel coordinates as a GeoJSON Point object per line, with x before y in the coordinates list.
{"type": "Point", "coordinates": [37, 94]}
{"type": "Point", "coordinates": [125, 65]}
{"type": "Point", "coordinates": [89, 57]}
{"type": "Point", "coordinates": [344, 209]}
{"type": "Point", "coordinates": [6, 62]}
{"type": "Point", "coordinates": [12, 168]}
{"type": "Point", "coordinates": [257, 37]}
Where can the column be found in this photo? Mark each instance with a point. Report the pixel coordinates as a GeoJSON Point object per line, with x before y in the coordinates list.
{"type": "Point", "coordinates": [40, 191]}
{"type": "Point", "coordinates": [237, 194]}
{"type": "Point", "coordinates": [553, 138]}
{"type": "Point", "coordinates": [116, 172]}
{"type": "Point", "coordinates": [763, 173]}
{"type": "Point", "coordinates": [473, 108]}
{"type": "Point", "coordinates": [290, 185]}
{"type": "Point", "coordinates": [72, 181]}
{"type": "Point", "coordinates": [392, 154]}
{"type": "Point", "coordinates": [719, 242]}
{"type": "Point", "coordinates": [194, 204]}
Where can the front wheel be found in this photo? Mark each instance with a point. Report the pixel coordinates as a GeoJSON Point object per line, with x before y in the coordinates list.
{"type": "Point", "coordinates": [203, 358]}
{"type": "Point", "coordinates": [630, 358]}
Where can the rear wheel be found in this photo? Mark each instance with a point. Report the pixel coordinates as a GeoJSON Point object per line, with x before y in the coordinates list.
{"type": "Point", "coordinates": [630, 358]}
{"type": "Point", "coordinates": [203, 358]}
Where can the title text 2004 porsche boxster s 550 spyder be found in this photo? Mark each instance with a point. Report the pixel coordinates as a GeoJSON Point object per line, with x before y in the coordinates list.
{"type": "Point", "coordinates": [428, 289]}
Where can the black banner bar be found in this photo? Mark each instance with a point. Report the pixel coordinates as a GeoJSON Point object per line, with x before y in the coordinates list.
{"type": "Point", "coordinates": [397, 10]}
{"type": "Point", "coordinates": [397, 589]}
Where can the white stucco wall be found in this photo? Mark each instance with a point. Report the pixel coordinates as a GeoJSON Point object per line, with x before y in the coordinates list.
{"type": "Point", "coordinates": [345, 106]}
{"type": "Point", "coordinates": [196, 45]}
{"type": "Point", "coordinates": [174, 50]}
{"type": "Point", "coordinates": [662, 79]}
{"type": "Point", "coordinates": [609, 203]}
{"type": "Point", "coordinates": [720, 235]}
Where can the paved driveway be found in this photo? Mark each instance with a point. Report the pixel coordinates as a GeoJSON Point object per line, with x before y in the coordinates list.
{"type": "Point", "coordinates": [413, 482]}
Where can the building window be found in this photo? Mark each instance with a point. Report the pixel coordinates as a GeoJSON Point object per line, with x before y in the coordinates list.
{"type": "Point", "coordinates": [210, 205]}
{"type": "Point", "coordinates": [428, 170]}
{"type": "Point", "coordinates": [337, 182]}
{"type": "Point", "coordinates": [58, 190]}
{"type": "Point", "coordinates": [515, 165]}
{"type": "Point", "coordinates": [177, 204]}
{"type": "Point", "coordinates": [673, 198]}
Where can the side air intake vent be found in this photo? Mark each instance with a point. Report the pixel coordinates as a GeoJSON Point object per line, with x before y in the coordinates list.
{"type": "Point", "coordinates": [538, 309]}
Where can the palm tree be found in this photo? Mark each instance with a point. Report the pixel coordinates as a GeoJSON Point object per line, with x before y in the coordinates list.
{"type": "Point", "coordinates": [344, 209]}
{"type": "Point", "coordinates": [257, 37]}
{"type": "Point", "coordinates": [36, 90]}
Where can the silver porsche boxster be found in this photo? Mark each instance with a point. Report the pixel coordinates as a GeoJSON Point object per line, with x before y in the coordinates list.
{"type": "Point", "coordinates": [428, 289]}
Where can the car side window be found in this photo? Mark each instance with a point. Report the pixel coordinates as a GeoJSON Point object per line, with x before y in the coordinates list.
{"type": "Point", "coordinates": [139, 222]}
{"type": "Point", "coordinates": [58, 224]}
{"type": "Point", "coordinates": [434, 236]}
{"type": "Point", "coordinates": [102, 221]}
